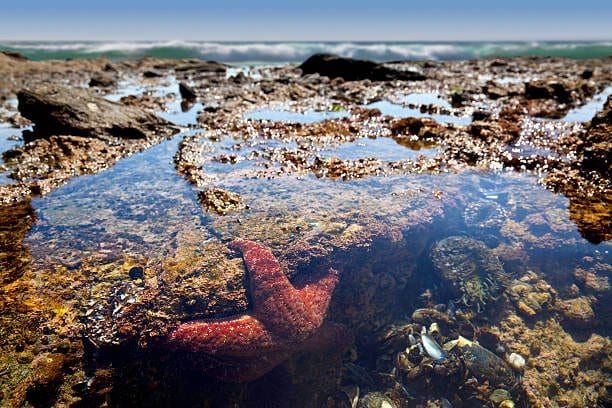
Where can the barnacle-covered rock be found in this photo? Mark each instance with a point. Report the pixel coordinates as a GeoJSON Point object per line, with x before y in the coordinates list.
{"type": "Point", "coordinates": [220, 201]}
{"type": "Point", "coordinates": [469, 270]}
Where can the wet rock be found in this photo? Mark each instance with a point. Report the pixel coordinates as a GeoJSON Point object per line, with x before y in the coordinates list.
{"type": "Point", "coordinates": [18, 121]}
{"type": "Point", "coordinates": [351, 69]}
{"type": "Point", "coordinates": [220, 201]}
{"type": "Point", "coordinates": [502, 129]}
{"type": "Point", "coordinates": [152, 73]}
{"type": "Point", "coordinates": [186, 91]}
{"type": "Point", "coordinates": [552, 97]}
{"type": "Point", "coordinates": [547, 89]}
{"type": "Point", "coordinates": [459, 98]}
{"type": "Point", "coordinates": [46, 163]}
{"type": "Point", "coordinates": [422, 127]}
{"type": "Point", "coordinates": [79, 112]}
{"type": "Point", "coordinates": [240, 78]}
{"type": "Point", "coordinates": [336, 168]}
{"type": "Point", "coordinates": [14, 55]}
{"type": "Point", "coordinates": [597, 145]}
{"type": "Point", "coordinates": [587, 74]}
{"type": "Point", "coordinates": [481, 115]}
{"type": "Point", "coordinates": [494, 91]}
{"type": "Point", "coordinates": [102, 80]}
{"type": "Point", "coordinates": [202, 66]}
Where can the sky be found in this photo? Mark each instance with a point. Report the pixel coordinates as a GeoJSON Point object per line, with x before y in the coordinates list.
{"type": "Point", "coordinates": [331, 20]}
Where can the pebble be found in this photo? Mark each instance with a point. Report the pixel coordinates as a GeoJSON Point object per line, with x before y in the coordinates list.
{"type": "Point", "coordinates": [516, 361]}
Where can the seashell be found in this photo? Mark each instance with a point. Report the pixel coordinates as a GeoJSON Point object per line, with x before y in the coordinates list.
{"type": "Point", "coordinates": [483, 364]}
{"type": "Point", "coordinates": [433, 349]}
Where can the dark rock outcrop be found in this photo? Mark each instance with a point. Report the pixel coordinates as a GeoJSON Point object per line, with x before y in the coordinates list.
{"type": "Point", "coordinates": [102, 80]}
{"type": "Point", "coordinates": [79, 112]}
{"type": "Point", "coordinates": [14, 55]}
{"type": "Point", "coordinates": [201, 66]}
{"type": "Point", "coordinates": [354, 69]}
{"type": "Point", "coordinates": [186, 91]}
{"type": "Point", "coordinates": [548, 89]}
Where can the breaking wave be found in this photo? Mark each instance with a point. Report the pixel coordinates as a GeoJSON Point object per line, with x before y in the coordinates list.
{"type": "Point", "coordinates": [277, 52]}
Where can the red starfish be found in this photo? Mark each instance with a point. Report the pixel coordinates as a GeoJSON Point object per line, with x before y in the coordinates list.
{"type": "Point", "coordinates": [284, 320]}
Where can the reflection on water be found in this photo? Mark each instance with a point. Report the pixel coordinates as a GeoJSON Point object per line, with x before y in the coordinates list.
{"type": "Point", "coordinates": [427, 98]}
{"type": "Point", "coordinates": [293, 117]}
{"type": "Point", "coordinates": [392, 109]}
{"type": "Point", "coordinates": [382, 148]}
{"type": "Point", "coordinates": [586, 112]}
{"type": "Point", "coordinates": [9, 139]}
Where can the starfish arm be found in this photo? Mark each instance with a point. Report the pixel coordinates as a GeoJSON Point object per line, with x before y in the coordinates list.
{"type": "Point", "coordinates": [276, 303]}
{"type": "Point", "coordinates": [242, 336]}
{"type": "Point", "coordinates": [316, 295]}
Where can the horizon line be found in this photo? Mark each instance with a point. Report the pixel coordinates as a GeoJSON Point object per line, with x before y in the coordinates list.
{"type": "Point", "coordinates": [313, 41]}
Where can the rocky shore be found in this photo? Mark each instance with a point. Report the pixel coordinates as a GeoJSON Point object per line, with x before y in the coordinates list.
{"type": "Point", "coordinates": [89, 328]}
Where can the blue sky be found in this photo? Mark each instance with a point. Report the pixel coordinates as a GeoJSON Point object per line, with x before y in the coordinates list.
{"type": "Point", "coordinates": [243, 20]}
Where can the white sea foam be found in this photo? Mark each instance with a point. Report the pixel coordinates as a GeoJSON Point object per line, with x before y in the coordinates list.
{"type": "Point", "coordinates": [299, 51]}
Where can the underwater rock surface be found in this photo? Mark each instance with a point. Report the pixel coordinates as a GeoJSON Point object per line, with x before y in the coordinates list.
{"type": "Point", "coordinates": [284, 320]}
{"type": "Point", "coordinates": [440, 226]}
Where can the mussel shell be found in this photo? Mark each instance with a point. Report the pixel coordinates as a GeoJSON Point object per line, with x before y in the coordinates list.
{"type": "Point", "coordinates": [485, 365]}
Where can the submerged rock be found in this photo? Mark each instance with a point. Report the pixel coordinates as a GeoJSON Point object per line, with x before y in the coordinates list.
{"type": "Point", "coordinates": [351, 69]}
{"type": "Point", "coordinates": [15, 222]}
{"type": "Point", "coordinates": [220, 201]}
{"type": "Point", "coordinates": [79, 112]}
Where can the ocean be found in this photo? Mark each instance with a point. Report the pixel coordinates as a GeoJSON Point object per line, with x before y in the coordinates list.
{"type": "Point", "coordinates": [292, 52]}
